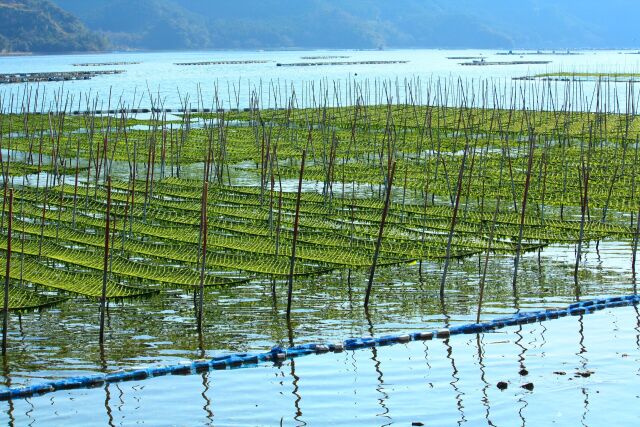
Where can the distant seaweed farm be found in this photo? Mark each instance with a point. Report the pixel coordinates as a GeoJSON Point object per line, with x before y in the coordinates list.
{"type": "Point", "coordinates": [585, 76]}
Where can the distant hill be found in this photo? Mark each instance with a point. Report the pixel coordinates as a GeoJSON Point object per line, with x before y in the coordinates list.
{"type": "Point", "coordinates": [41, 26]}
{"type": "Point", "coordinates": [367, 24]}
{"type": "Point", "coordinates": [192, 24]}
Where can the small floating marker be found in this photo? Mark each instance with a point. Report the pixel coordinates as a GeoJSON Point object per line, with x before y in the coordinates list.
{"type": "Point", "coordinates": [425, 336]}
{"type": "Point", "coordinates": [502, 385]}
{"type": "Point", "coordinates": [417, 423]}
{"type": "Point", "coordinates": [443, 333]}
{"type": "Point", "coordinates": [252, 359]}
{"type": "Point", "coordinates": [140, 374]}
{"type": "Point", "coordinates": [181, 370]}
{"type": "Point", "coordinates": [404, 338]}
{"type": "Point", "coordinates": [527, 386]}
{"type": "Point", "coordinates": [523, 372]}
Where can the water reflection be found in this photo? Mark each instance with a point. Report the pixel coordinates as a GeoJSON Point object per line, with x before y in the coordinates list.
{"type": "Point", "coordinates": [440, 365]}
{"type": "Point", "coordinates": [207, 401]}
{"type": "Point", "coordinates": [107, 405]}
{"type": "Point", "coordinates": [583, 367]}
{"type": "Point", "coordinates": [522, 369]}
{"type": "Point", "coordinates": [247, 318]}
{"type": "Point", "coordinates": [454, 369]}
{"type": "Point", "coordinates": [107, 387]}
{"type": "Point", "coordinates": [485, 388]}
{"type": "Point", "coordinates": [295, 379]}
{"type": "Point", "coordinates": [7, 383]}
{"type": "Point", "coordinates": [380, 388]}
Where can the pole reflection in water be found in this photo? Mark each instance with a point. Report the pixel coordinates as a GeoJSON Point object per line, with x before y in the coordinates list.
{"type": "Point", "coordinates": [29, 414]}
{"type": "Point", "coordinates": [295, 380]}
{"type": "Point", "coordinates": [107, 391]}
{"type": "Point", "coordinates": [583, 365]}
{"type": "Point", "coordinates": [107, 405]}
{"type": "Point", "coordinates": [454, 368]}
{"type": "Point", "coordinates": [637, 329]}
{"type": "Point", "coordinates": [7, 382]}
{"type": "Point", "coordinates": [454, 382]}
{"type": "Point", "coordinates": [380, 388]}
{"type": "Point", "coordinates": [207, 402]}
{"type": "Point", "coordinates": [485, 388]}
{"type": "Point", "coordinates": [521, 358]}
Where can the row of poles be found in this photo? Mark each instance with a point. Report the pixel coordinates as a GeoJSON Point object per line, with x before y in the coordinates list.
{"type": "Point", "coordinates": [215, 165]}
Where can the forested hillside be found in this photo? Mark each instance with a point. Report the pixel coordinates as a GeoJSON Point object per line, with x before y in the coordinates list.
{"type": "Point", "coordinates": [277, 24]}
{"type": "Point", "coordinates": [41, 26]}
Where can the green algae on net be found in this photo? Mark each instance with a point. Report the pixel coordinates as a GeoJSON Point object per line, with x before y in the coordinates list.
{"type": "Point", "coordinates": [575, 169]}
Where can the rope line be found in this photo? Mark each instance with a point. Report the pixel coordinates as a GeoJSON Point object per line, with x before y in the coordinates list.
{"type": "Point", "coordinates": [278, 354]}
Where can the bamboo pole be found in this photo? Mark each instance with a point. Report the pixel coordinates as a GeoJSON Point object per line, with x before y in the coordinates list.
{"type": "Point", "coordinates": [385, 211]}
{"type": "Point", "coordinates": [203, 266]}
{"type": "Point", "coordinates": [5, 320]}
{"type": "Point", "coordinates": [489, 245]}
{"type": "Point", "coordinates": [295, 235]}
{"type": "Point", "coordinates": [523, 212]}
{"type": "Point", "coordinates": [453, 221]}
{"type": "Point", "coordinates": [105, 266]}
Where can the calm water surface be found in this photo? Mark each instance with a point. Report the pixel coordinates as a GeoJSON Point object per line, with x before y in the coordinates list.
{"type": "Point", "coordinates": [157, 74]}
{"type": "Point", "coordinates": [440, 382]}
{"type": "Point", "coordinates": [584, 369]}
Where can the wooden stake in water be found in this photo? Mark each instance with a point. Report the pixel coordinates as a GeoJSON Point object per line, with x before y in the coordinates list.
{"type": "Point", "coordinates": [489, 246]}
{"type": "Point", "coordinates": [5, 322]}
{"type": "Point", "coordinates": [205, 192]}
{"type": "Point", "coordinates": [523, 212]}
{"type": "Point", "coordinates": [635, 244]}
{"type": "Point", "coordinates": [454, 218]}
{"type": "Point", "coordinates": [385, 211]}
{"type": "Point", "coordinates": [105, 266]}
{"type": "Point", "coordinates": [295, 236]}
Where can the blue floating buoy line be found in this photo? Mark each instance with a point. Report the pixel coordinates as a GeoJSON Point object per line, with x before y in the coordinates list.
{"type": "Point", "coordinates": [278, 354]}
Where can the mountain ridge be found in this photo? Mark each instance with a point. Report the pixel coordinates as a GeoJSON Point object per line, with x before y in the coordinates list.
{"type": "Point", "coordinates": [355, 24]}
{"type": "Point", "coordinates": [41, 26]}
